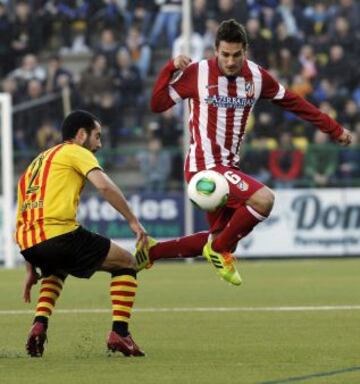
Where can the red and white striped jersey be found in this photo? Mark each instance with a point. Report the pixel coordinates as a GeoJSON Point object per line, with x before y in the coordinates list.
{"type": "Point", "coordinates": [220, 107]}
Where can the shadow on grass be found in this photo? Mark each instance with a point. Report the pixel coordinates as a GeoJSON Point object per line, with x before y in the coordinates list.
{"type": "Point", "coordinates": [311, 376]}
{"type": "Point", "coordinates": [5, 354]}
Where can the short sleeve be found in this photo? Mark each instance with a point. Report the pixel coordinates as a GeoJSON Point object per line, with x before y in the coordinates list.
{"type": "Point", "coordinates": [81, 159]}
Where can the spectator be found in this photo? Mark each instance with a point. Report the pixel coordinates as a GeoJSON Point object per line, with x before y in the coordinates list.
{"type": "Point", "coordinates": [168, 128]}
{"type": "Point", "coordinates": [155, 166]}
{"type": "Point", "coordinates": [140, 51]}
{"type": "Point", "coordinates": [35, 112]}
{"type": "Point", "coordinates": [285, 162]}
{"type": "Point", "coordinates": [307, 60]}
{"type": "Point", "coordinates": [326, 91]}
{"type": "Point", "coordinates": [168, 18]}
{"type": "Point", "coordinates": [29, 69]}
{"type": "Point", "coordinates": [349, 163]}
{"type": "Point", "coordinates": [56, 71]}
{"type": "Point", "coordinates": [317, 19]}
{"type": "Point", "coordinates": [256, 161]}
{"type": "Point", "coordinates": [127, 81]}
{"type": "Point", "coordinates": [108, 45]}
{"type": "Point", "coordinates": [346, 37]}
{"type": "Point", "coordinates": [199, 15]}
{"type": "Point", "coordinates": [283, 40]}
{"type": "Point", "coordinates": [291, 16]}
{"type": "Point", "coordinates": [350, 115]}
{"type": "Point", "coordinates": [47, 135]}
{"type": "Point", "coordinates": [338, 69]}
{"type": "Point", "coordinates": [73, 18]}
{"type": "Point", "coordinates": [140, 13]}
{"type": "Point", "coordinates": [231, 9]}
{"type": "Point", "coordinates": [196, 46]}
{"type": "Point", "coordinates": [95, 81]}
{"type": "Point", "coordinates": [301, 86]}
{"type": "Point", "coordinates": [212, 26]}
{"type": "Point", "coordinates": [259, 46]}
{"type": "Point", "coordinates": [6, 58]}
{"type": "Point", "coordinates": [321, 161]}
{"type": "Point", "coordinates": [10, 85]}
{"type": "Point", "coordinates": [106, 15]}
{"type": "Point", "coordinates": [25, 31]}
{"type": "Point", "coordinates": [350, 10]}
{"type": "Point", "coordinates": [109, 115]}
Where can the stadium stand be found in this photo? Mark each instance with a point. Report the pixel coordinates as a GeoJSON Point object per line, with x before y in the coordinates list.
{"type": "Point", "coordinates": [103, 56]}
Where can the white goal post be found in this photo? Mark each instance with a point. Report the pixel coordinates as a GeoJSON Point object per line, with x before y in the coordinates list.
{"type": "Point", "coordinates": [7, 174]}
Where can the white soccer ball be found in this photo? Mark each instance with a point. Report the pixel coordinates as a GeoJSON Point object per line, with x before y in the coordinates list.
{"type": "Point", "coordinates": [208, 190]}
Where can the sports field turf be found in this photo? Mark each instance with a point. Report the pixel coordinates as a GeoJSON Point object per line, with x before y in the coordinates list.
{"type": "Point", "coordinates": [286, 324]}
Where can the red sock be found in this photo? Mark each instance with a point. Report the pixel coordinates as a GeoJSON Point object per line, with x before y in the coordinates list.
{"type": "Point", "coordinates": [241, 224]}
{"type": "Point", "coordinates": [187, 246]}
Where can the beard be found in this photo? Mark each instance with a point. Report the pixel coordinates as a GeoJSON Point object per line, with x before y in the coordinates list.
{"type": "Point", "coordinates": [87, 145]}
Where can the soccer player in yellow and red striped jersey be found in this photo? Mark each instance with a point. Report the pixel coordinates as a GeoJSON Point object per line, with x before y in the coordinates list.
{"type": "Point", "coordinates": [51, 239]}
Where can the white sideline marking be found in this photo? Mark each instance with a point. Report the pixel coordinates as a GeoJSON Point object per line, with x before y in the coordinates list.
{"type": "Point", "coordinates": [199, 309]}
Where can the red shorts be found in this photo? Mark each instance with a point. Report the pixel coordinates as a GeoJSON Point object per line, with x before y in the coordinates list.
{"type": "Point", "coordinates": [242, 187]}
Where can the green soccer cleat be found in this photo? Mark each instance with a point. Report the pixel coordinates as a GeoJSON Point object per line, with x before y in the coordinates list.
{"type": "Point", "coordinates": [224, 263]}
{"type": "Point", "coordinates": [142, 254]}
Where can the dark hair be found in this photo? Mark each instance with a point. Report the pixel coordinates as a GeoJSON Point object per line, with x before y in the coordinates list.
{"type": "Point", "coordinates": [76, 120]}
{"type": "Point", "coordinates": [232, 32]}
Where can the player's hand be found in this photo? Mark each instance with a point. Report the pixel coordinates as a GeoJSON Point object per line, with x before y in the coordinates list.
{"type": "Point", "coordinates": [181, 62]}
{"type": "Point", "coordinates": [32, 277]}
{"type": "Point", "coordinates": [345, 138]}
{"type": "Point", "coordinates": [140, 232]}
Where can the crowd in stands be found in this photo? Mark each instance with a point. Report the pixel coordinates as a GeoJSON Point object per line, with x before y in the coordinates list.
{"type": "Point", "coordinates": [312, 47]}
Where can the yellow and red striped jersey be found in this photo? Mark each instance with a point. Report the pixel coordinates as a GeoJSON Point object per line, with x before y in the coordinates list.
{"type": "Point", "coordinates": [49, 193]}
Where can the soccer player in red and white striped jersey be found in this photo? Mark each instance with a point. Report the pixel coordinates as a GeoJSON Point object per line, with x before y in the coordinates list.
{"type": "Point", "coordinates": [222, 93]}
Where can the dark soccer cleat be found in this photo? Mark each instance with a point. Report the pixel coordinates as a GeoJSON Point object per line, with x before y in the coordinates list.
{"type": "Point", "coordinates": [123, 344]}
{"type": "Point", "coordinates": [36, 340]}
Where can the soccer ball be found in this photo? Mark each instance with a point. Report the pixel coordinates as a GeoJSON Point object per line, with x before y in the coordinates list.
{"type": "Point", "coordinates": [208, 190]}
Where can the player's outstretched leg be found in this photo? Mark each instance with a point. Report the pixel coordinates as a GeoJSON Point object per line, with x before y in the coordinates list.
{"type": "Point", "coordinates": [181, 247]}
{"type": "Point", "coordinates": [50, 290]}
{"type": "Point", "coordinates": [224, 262]}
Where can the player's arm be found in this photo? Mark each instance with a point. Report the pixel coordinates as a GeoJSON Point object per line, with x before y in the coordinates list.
{"type": "Point", "coordinates": [171, 85]}
{"type": "Point", "coordinates": [292, 102]}
{"type": "Point", "coordinates": [112, 193]}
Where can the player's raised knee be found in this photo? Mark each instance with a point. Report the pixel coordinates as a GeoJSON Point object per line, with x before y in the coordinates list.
{"type": "Point", "coordinates": [262, 201]}
{"type": "Point", "coordinates": [118, 258]}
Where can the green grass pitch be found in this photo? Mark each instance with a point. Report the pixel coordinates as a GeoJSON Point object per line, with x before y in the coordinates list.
{"type": "Point", "coordinates": [202, 344]}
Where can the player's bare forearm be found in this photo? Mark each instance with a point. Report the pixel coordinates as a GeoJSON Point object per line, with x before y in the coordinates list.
{"type": "Point", "coordinates": [116, 198]}
{"type": "Point", "coordinates": [112, 193]}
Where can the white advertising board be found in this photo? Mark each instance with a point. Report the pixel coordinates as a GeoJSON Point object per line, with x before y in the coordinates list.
{"type": "Point", "coordinates": [308, 222]}
{"type": "Point", "coordinates": [304, 222]}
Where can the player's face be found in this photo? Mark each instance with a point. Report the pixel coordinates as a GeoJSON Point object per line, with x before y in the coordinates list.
{"type": "Point", "coordinates": [230, 57]}
{"type": "Point", "coordinates": [93, 141]}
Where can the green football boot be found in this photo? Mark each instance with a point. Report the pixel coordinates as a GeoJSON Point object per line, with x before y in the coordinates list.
{"type": "Point", "coordinates": [224, 263]}
{"type": "Point", "coordinates": [142, 254]}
